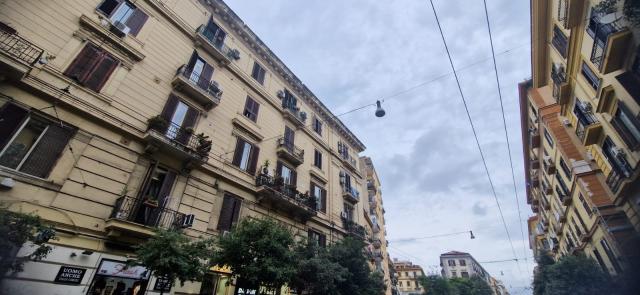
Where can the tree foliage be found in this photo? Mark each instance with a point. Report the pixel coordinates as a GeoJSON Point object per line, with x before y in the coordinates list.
{"type": "Point", "coordinates": [259, 252]}
{"type": "Point", "coordinates": [435, 285]}
{"type": "Point", "coordinates": [315, 272]}
{"type": "Point", "coordinates": [575, 275]}
{"type": "Point", "coordinates": [359, 280]}
{"type": "Point", "coordinates": [630, 9]}
{"type": "Point", "coordinates": [16, 229]}
{"type": "Point", "coordinates": [172, 255]}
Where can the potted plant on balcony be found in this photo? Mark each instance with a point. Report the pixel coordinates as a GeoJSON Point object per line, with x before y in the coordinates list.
{"type": "Point", "coordinates": [157, 123]}
{"type": "Point", "coordinates": [265, 167]}
{"type": "Point", "coordinates": [204, 145]}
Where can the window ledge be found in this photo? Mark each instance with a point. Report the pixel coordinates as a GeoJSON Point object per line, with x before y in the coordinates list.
{"type": "Point", "coordinates": [26, 178]}
{"type": "Point", "coordinates": [239, 121]}
{"type": "Point", "coordinates": [88, 23]}
{"type": "Point", "coordinates": [316, 172]}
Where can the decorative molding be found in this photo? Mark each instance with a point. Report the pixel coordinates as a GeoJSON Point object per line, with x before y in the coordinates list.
{"type": "Point", "coordinates": [89, 29]}
{"type": "Point", "coordinates": [253, 42]}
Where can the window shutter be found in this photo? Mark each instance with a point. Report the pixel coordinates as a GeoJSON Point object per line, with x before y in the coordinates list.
{"type": "Point", "coordinates": [98, 77]}
{"type": "Point", "coordinates": [294, 178]}
{"type": "Point", "coordinates": [237, 204]}
{"type": "Point", "coordinates": [237, 155]}
{"type": "Point", "coordinates": [169, 107]}
{"type": "Point", "coordinates": [323, 201]}
{"type": "Point", "coordinates": [136, 21]}
{"type": "Point", "coordinates": [289, 136]}
{"type": "Point", "coordinates": [254, 109]}
{"type": "Point", "coordinates": [165, 189]}
{"type": "Point", "coordinates": [46, 153]}
{"type": "Point", "coordinates": [226, 213]}
{"type": "Point", "coordinates": [253, 159]}
{"type": "Point", "coordinates": [279, 168]}
{"type": "Point", "coordinates": [11, 118]}
{"type": "Point", "coordinates": [84, 62]}
{"type": "Point", "coordinates": [205, 76]}
{"type": "Point", "coordinates": [191, 64]}
{"type": "Point", "coordinates": [108, 6]}
{"type": "Point", "coordinates": [189, 121]}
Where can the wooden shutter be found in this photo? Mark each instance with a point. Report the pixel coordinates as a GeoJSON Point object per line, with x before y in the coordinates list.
{"type": "Point", "coordinates": [108, 6]}
{"type": "Point", "coordinates": [205, 76]}
{"type": "Point", "coordinates": [11, 118]}
{"type": "Point", "coordinates": [226, 213]}
{"type": "Point", "coordinates": [294, 178]}
{"type": "Point", "coordinates": [191, 64]}
{"type": "Point", "coordinates": [323, 200]}
{"type": "Point", "coordinates": [169, 107]}
{"type": "Point", "coordinates": [253, 159]}
{"type": "Point", "coordinates": [237, 204]}
{"type": "Point", "coordinates": [289, 136]}
{"type": "Point", "coordinates": [136, 21]}
{"type": "Point", "coordinates": [101, 72]}
{"type": "Point", "coordinates": [190, 119]}
{"type": "Point", "coordinates": [237, 155]}
{"type": "Point", "coordinates": [83, 63]}
{"type": "Point", "coordinates": [165, 189]}
{"type": "Point", "coordinates": [46, 153]}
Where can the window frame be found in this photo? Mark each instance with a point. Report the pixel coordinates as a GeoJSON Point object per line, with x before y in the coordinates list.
{"type": "Point", "coordinates": [252, 112]}
{"type": "Point", "coordinates": [317, 159]}
{"type": "Point", "coordinates": [258, 73]}
{"type": "Point", "coordinates": [317, 125]}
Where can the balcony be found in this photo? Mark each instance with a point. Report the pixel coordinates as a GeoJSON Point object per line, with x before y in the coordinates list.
{"type": "Point", "coordinates": [204, 91]}
{"type": "Point", "coordinates": [534, 164]}
{"type": "Point", "coordinates": [137, 217]}
{"type": "Point", "coordinates": [181, 143]}
{"type": "Point", "coordinates": [549, 166]}
{"type": "Point", "coordinates": [626, 123]}
{"type": "Point", "coordinates": [217, 49]}
{"type": "Point", "coordinates": [17, 55]}
{"type": "Point", "coordinates": [570, 12]}
{"type": "Point", "coordinates": [290, 152]}
{"type": "Point", "coordinates": [588, 127]}
{"type": "Point", "coordinates": [353, 229]}
{"type": "Point", "coordinates": [350, 194]}
{"type": "Point", "coordinates": [373, 204]}
{"type": "Point", "coordinates": [350, 161]}
{"type": "Point", "coordinates": [620, 168]}
{"type": "Point", "coordinates": [534, 139]}
{"type": "Point", "coordinates": [376, 243]}
{"type": "Point", "coordinates": [274, 192]}
{"type": "Point", "coordinates": [610, 43]}
{"type": "Point", "coordinates": [561, 89]}
{"type": "Point", "coordinates": [566, 200]}
{"type": "Point", "coordinates": [293, 114]}
{"type": "Point", "coordinates": [560, 42]}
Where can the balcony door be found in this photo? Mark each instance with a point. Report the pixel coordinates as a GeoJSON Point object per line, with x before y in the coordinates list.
{"type": "Point", "coordinates": [214, 33]}
{"type": "Point", "coordinates": [154, 196]}
{"type": "Point", "coordinates": [289, 138]}
{"type": "Point", "coordinates": [180, 117]}
{"type": "Point", "coordinates": [199, 72]}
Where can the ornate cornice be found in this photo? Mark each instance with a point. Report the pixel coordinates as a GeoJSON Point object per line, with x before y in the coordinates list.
{"type": "Point", "coordinates": [253, 42]}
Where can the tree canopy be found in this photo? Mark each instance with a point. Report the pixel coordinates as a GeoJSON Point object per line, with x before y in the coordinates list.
{"type": "Point", "coordinates": [435, 285]}
{"type": "Point", "coordinates": [316, 273]}
{"type": "Point", "coordinates": [17, 229]}
{"type": "Point", "coordinates": [575, 275]}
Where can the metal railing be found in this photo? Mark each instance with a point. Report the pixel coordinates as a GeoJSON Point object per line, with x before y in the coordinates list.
{"type": "Point", "coordinates": [352, 191]}
{"type": "Point", "coordinates": [182, 136]}
{"type": "Point", "coordinates": [302, 116]}
{"type": "Point", "coordinates": [148, 213]}
{"type": "Point", "coordinates": [614, 181]}
{"type": "Point", "coordinates": [19, 48]}
{"type": "Point", "coordinates": [214, 39]}
{"type": "Point", "coordinates": [560, 42]}
{"type": "Point", "coordinates": [287, 191]}
{"type": "Point", "coordinates": [354, 229]}
{"type": "Point", "coordinates": [291, 148]}
{"type": "Point", "coordinates": [207, 85]}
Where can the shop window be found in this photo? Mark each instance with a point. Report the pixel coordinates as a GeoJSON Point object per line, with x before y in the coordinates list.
{"type": "Point", "coordinates": [111, 279]}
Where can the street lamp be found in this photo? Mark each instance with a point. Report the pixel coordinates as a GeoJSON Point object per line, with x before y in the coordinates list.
{"type": "Point", "coordinates": [379, 110]}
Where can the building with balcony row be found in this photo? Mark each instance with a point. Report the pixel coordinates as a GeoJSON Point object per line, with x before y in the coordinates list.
{"type": "Point", "coordinates": [407, 276]}
{"type": "Point", "coordinates": [119, 117]}
{"type": "Point", "coordinates": [581, 129]}
{"type": "Point", "coordinates": [457, 264]}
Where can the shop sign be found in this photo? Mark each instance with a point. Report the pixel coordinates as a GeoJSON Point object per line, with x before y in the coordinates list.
{"type": "Point", "coordinates": [162, 284]}
{"type": "Point", "coordinates": [120, 269]}
{"type": "Point", "coordinates": [70, 275]}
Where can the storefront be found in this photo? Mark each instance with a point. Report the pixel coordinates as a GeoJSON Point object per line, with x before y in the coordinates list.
{"type": "Point", "coordinates": [217, 282]}
{"type": "Point", "coordinates": [114, 278]}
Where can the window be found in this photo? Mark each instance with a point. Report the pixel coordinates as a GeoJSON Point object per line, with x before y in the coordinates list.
{"type": "Point", "coordinates": [288, 174]}
{"type": "Point", "coordinates": [343, 150]}
{"type": "Point", "coordinates": [125, 13]}
{"type": "Point", "coordinates": [251, 108]}
{"type": "Point", "coordinates": [229, 213]}
{"type": "Point", "coordinates": [408, 283]}
{"type": "Point", "coordinates": [317, 159]}
{"type": "Point", "coordinates": [321, 196]}
{"type": "Point", "coordinates": [451, 262]}
{"type": "Point", "coordinates": [414, 274]}
{"type": "Point", "coordinates": [348, 214]}
{"type": "Point", "coordinates": [289, 101]}
{"type": "Point", "coordinates": [463, 262]}
{"type": "Point", "coordinates": [156, 190]}
{"type": "Point", "coordinates": [318, 238]}
{"type": "Point", "coordinates": [454, 274]}
{"type": "Point", "coordinates": [92, 67]}
{"type": "Point", "coordinates": [214, 34]}
{"type": "Point", "coordinates": [258, 73]}
{"type": "Point", "coordinates": [548, 137]}
{"type": "Point", "coordinates": [627, 125]}
{"type": "Point", "coordinates": [180, 117]}
{"type": "Point", "coordinates": [400, 283]}
{"type": "Point", "coordinates": [559, 41]}
{"type": "Point", "coordinates": [600, 261]}
{"type": "Point", "coordinates": [565, 168]}
{"type": "Point", "coordinates": [464, 274]}
{"type": "Point", "coordinates": [585, 205]}
{"type": "Point", "coordinates": [317, 126]}
{"type": "Point", "coordinates": [199, 72]}
{"type": "Point", "coordinates": [30, 143]}
{"type": "Point", "coordinates": [610, 255]}
{"type": "Point", "coordinates": [246, 156]}
{"type": "Point", "coordinates": [345, 180]}
{"type": "Point", "coordinates": [590, 76]}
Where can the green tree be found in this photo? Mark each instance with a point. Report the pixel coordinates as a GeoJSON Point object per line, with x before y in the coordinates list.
{"type": "Point", "coordinates": [541, 277]}
{"type": "Point", "coordinates": [576, 275]}
{"type": "Point", "coordinates": [359, 280]}
{"type": "Point", "coordinates": [17, 229]}
{"type": "Point", "coordinates": [435, 285]}
{"type": "Point", "coordinates": [171, 255]}
{"type": "Point", "coordinates": [315, 272]}
{"type": "Point", "coordinates": [480, 286]}
{"type": "Point", "coordinates": [259, 252]}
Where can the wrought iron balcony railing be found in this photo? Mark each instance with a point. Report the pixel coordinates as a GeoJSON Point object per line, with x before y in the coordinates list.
{"type": "Point", "coordinates": [18, 47]}
{"type": "Point", "coordinates": [354, 229]}
{"type": "Point", "coordinates": [351, 192]}
{"type": "Point", "coordinates": [196, 79]}
{"type": "Point", "coordinates": [289, 151]}
{"type": "Point", "coordinates": [185, 138]}
{"type": "Point", "coordinates": [146, 212]}
{"type": "Point", "coordinates": [287, 192]}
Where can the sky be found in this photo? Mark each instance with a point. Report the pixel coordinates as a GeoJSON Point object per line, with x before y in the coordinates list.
{"type": "Point", "coordinates": [352, 53]}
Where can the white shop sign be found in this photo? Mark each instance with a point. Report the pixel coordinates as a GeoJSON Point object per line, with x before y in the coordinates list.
{"type": "Point", "coordinates": [120, 269]}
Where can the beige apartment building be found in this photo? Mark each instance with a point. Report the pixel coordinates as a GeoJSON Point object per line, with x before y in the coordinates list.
{"type": "Point", "coordinates": [408, 274]}
{"type": "Point", "coordinates": [456, 264]}
{"type": "Point", "coordinates": [118, 117]}
{"type": "Point", "coordinates": [581, 131]}
{"type": "Point", "coordinates": [375, 224]}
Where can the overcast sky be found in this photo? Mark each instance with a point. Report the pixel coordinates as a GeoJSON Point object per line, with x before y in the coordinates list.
{"type": "Point", "coordinates": [350, 53]}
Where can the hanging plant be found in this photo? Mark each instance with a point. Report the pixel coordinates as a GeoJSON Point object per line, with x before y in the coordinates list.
{"type": "Point", "coordinates": [157, 123]}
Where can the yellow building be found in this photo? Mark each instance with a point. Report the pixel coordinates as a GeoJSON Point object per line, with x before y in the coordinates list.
{"type": "Point", "coordinates": [408, 274]}
{"type": "Point", "coordinates": [118, 117]}
{"type": "Point", "coordinates": [375, 221]}
{"type": "Point", "coordinates": [581, 131]}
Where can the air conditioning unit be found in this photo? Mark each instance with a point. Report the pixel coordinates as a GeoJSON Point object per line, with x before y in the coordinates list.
{"type": "Point", "coordinates": [188, 220]}
{"type": "Point", "coordinates": [120, 29]}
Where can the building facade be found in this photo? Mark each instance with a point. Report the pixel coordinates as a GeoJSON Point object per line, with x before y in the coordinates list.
{"type": "Point", "coordinates": [457, 264]}
{"type": "Point", "coordinates": [581, 131]}
{"type": "Point", "coordinates": [118, 117]}
{"type": "Point", "coordinates": [408, 274]}
{"type": "Point", "coordinates": [375, 224]}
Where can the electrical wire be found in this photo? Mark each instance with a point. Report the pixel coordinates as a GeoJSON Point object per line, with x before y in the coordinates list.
{"type": "Point", "coordinates": [473, 129]}
{"type": "Point", "coordinates": [430, 237]}
{"type": "Point", "coordinates": [504, 123]}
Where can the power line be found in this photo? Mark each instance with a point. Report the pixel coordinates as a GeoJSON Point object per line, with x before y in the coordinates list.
{"type": "Point", "coordinates": [504, 122]}
{"type": "Point", "coordinates": [430, 237]}
{"type": "Point", "coordinates": [473, 129]}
